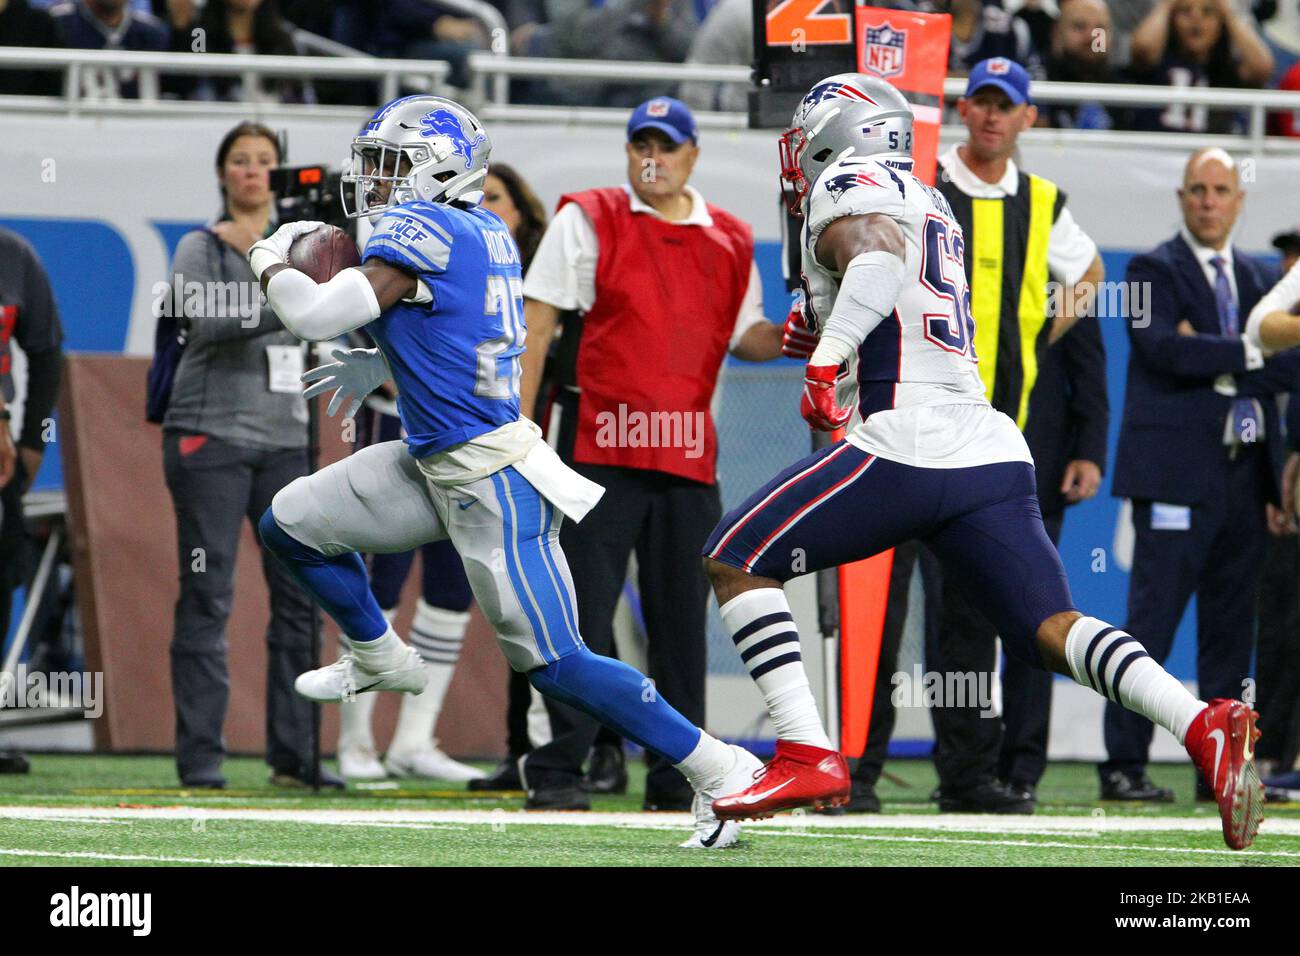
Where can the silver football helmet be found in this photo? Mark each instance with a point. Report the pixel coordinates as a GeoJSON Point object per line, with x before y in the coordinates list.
{"type": "Point", "coordinates": [848, 114]}
{"type": "Point", "coordinates": [425, 147]}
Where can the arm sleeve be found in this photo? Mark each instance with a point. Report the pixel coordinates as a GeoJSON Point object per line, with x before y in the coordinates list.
{"type": "Point", "coordinates": [1157, 343]}
{"type": "Point", "coordinates": [209, 317]}
{"type": "Point", "coordinates": [751, 307]}
{"type": "Point", "coordinates": [319, 312]}
{"type": "Point", "coordinates": [1070, 250]}
{"type": "Point", "coordinates": [563, 270]}
{"type": "Point", "coordinates": [1084, 357]}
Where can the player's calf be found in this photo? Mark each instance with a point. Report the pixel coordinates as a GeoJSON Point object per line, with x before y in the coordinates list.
{"type": "Point", "coordinates": [1219, 737]}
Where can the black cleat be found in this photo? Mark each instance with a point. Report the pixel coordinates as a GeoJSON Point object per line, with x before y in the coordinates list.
{"type": "Point", "coordinates": [987, 797]}
{"type": "Point", "coordinates": [504, 777]}
{"type": "Point", "coordinates": [1118, 785]}
{"type": "Point", "coordinates": [607, 772]}
{"type": "Point", "coordinates": [551, 790]}
{"type": "Point", "coordinates": [302, 780]}
{"type": "Point", "coordinates": [862, 799]}
{"type": "Point", "coordinates": [1024, 790]}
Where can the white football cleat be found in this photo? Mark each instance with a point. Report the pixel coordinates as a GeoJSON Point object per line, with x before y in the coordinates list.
{"type": "Point", "coordinates": [710, 832]}
{"type": "Point", "coordinates": [360, 763]}
{"type": "Point", "coordinates": [431, 763]}
{"type": "Point", "coordinates": [345, 678]}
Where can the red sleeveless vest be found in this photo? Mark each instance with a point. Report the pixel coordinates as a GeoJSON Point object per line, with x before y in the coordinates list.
{"type": "Point", "coordinates": [667, 296]}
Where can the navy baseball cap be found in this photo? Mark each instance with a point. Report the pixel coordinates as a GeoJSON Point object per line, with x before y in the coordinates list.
{"type": "Point", "coordinates": [1007, 75]}
{"type": "Point", "coordinates": [670, 116]}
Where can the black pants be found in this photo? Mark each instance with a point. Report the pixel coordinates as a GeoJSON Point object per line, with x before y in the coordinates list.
{"type": "Point", "coordinates": [1218, 559]}
{"type": "Point", "coordinates": [665, 520]}
{"type": "Point", "coordinates": [1278, 665]}
{"type": "Point", "coordinates": [215, 487]}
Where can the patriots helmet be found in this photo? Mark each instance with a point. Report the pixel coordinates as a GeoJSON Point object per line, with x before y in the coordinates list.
{"type": "Point", "coordinates": [848, 114]}
{"type": "Point", "coordinates": [424, 147]}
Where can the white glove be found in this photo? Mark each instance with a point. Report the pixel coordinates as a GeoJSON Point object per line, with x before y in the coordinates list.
{"type": "Point", "coordinates": [275, 248]}
{"type": "Point", "coordinates": [356, 374]}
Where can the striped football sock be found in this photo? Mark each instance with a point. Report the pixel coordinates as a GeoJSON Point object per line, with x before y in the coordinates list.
{"type": "Point", "coordinates": [1114, 664]}
{"type": "Point", "coordinates": [760, 623]}
{"type": "Point", "coordinates": [437, 634]}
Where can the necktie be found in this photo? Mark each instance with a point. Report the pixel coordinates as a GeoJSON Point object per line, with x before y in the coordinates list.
{"type": "Point", "coordinates": [1244, 410]}
{"type": "Point", "coordinates": [1223, 299]}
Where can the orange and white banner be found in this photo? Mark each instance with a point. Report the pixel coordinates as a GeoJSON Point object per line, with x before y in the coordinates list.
{"type": "Point", "coordinates": [910, 50]}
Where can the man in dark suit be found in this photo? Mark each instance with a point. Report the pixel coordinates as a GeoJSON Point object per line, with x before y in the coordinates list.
{"type": "Point", "coordinates": [1200, 453]}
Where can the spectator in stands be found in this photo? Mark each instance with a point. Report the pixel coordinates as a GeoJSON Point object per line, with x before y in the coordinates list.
{"type": "Point", "coordinates": [1200, 454]}
{"type": "Point", "coordinates": [235, 433]}
{"type": "Point", "coordinates": [20, 25]}
{"type": "Point", "coordinates": [1040, 20]}
{"type": "Point", "coordinates": [664, 285]}
{"type": "Point", "coordinates": [110, 25]}
{"type": "Point", "coordinates": [420, 30]}
{"type": "Point", "coordinates": [242, 26]}
{"type": "Point", "coordinates": [655, 30]}
{"type": "Point", "coordinates": [1081, 52]}
{"type": "Point", "coordinates": [29, 317]}
{"type": "Point", "coordinates": [1287, 123]}
{"type": "Point", "coordinates": [1197, 43]}
{"type": "Point", "coordinates": [726, 37]}
{"type": "Point", "coordinates": [982, 29]}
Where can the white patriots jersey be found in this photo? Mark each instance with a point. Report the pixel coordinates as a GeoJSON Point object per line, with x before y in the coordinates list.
{"type": "Point", "coordinates": [914, 382]}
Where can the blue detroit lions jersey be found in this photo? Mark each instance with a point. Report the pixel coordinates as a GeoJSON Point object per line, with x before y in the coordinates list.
{"type": "Point", "coordinates": [455, 359]}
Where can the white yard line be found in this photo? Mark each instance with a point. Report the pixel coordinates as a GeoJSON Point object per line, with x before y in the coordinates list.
{"type": "Point", "coordinates": [140, 858]}
{"type": "Point", "coordinates": [1036, 825]}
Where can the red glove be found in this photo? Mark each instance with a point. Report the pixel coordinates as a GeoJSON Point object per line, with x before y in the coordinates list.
{"type": "Point", "coordinates": [818, 406]}
{"type": "Point", "coordinates": [797, 340]}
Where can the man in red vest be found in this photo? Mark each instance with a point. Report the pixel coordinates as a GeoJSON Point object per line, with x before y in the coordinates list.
{"type": "Point", "coordinates": [657, 286]}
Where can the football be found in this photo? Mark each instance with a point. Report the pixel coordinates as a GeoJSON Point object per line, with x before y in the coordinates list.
{"type": "Point", "coordinates": [323, 253]}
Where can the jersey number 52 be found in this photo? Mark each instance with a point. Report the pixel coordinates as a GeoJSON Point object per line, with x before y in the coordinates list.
{"type": "Point", "coordinates": [943, 272]}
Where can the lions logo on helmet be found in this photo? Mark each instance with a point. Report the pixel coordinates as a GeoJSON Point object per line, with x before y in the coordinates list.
{"type": "Point", "coordinates": [424, 148]}
{"type": "Point", "coordinates": [444, 123]}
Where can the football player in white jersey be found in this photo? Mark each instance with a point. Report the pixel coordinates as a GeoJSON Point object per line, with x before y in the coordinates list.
{"type": "Point", "coordinates": [925, 457]}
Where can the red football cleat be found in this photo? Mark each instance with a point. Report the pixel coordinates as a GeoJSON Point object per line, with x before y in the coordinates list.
{"type": "Point", "coordinates": [798, 776]}
{"type": "Point", "coordinates": [1221, 742]}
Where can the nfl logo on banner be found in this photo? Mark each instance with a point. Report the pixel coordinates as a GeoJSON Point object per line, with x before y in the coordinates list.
{"type": "Point", "coordinates": [884, 51]}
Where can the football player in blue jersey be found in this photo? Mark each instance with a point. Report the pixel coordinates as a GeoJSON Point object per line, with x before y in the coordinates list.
{"type": "Point", "coordinates": [440, 291]}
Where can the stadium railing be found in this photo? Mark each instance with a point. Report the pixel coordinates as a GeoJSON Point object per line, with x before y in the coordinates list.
{"type": "Point", "coordinates": [492, 71]}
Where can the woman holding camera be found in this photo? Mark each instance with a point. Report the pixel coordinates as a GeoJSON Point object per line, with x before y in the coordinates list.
{"type": "Point", "coordinates": [234, 434]}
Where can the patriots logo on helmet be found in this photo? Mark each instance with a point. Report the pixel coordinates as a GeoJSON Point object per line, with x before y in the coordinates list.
{"type": "Point", "coordinates": [837, 186]}
{"type": "Point", "coordinates": [445, 123]}
{"type": "Point", "coordinates": [884, 51]}
{"type": "Point", "coordinates": [827, 91]}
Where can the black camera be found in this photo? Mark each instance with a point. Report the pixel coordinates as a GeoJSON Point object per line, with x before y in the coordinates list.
{"type": "Point", "coordinates": [311, 193]}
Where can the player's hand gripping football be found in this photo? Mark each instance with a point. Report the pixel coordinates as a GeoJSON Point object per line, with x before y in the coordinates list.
{"type": "Point", "coordinates": [818, 406]}
{"type": "Point", "coordinates": [275, 248]}
{"type": "Point", "coordinates": [356, 374]}
{"type": "Point", "coordinates": [797, 340]}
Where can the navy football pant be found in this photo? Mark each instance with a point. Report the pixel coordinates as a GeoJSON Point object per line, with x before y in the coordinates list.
{"type": "Point", "coordinates": [842, 504]}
